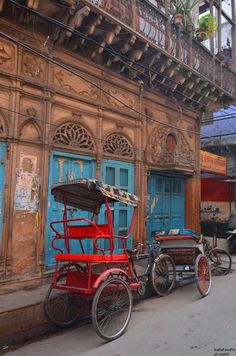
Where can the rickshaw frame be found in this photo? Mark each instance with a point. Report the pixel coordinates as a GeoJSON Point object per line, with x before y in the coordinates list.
{"type": "Point", "coordinates": [79, 270]}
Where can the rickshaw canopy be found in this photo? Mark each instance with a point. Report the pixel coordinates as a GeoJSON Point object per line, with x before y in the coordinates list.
{"type": "Point", "coordinates": [90, 194]}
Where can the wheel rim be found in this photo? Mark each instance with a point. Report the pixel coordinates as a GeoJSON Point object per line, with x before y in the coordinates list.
{"type": "Point", "coordinates": [111, 308]}
{"type": "Point", "coordinates": [221, 262]}
{"type": "Point", "coordinates": [61, 307]}
{"type": "Point", "coordinates": [163, 275]}
{"type": "Point", "coordinates": [203, 275]}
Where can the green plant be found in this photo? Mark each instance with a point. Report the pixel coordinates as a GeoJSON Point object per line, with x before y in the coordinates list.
{"type": "Point", "coordinates": [183, 7]}
{"type": "Point", "coordinates": [207, 24]}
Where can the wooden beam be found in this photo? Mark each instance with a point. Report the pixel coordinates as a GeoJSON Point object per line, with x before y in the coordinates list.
{"type": "Point", "coordinates": [105, 40]}
{"type": "Point", "coordinates": [135, 56]}
{"type": "Point", "coordinates": [88, 31]}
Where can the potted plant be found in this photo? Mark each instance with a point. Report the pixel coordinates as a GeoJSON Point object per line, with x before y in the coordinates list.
{"type": "Point", "coordinates": [220, 54]}
{"type": "Point", "coordinates": [206, 27]}
{"type": "Point", "coordinates": [181, 11]}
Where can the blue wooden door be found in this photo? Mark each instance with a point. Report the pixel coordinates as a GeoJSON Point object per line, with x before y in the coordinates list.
{"type": "Point", "coordinates": [65, 167]}
{"type": "Point", "coordinates": [2, 176]}
{"type": "Point", "coordinates": [165, 208]}
{"type": "Point", "coordinates": [121, 175]}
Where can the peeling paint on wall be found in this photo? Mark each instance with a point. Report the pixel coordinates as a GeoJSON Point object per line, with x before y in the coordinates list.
{"type": "Point", "coordinates": [153, 204]}
{"type": "Point", "coordinates": [27, 191]}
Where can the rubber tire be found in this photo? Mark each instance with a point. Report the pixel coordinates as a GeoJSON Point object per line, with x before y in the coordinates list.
{"type": "Point", "coordinates": [202, 259]}
{"type": "Point", "coordinates": [96, 299]}
{"type": "Point", "coordinates": [156, 267]}
{"type": "Point", "coordinates": [47, 308]}
{"type": "Point", "coordinates": [63, 272]}
{"type": "Point", "coordinates": [226, 254]}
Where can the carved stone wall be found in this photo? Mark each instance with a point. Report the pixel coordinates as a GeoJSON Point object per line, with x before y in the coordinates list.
{"type": "Point", "coordinates": [73, 134]}
{"type": "Point", "coordinates": [157, 151]}
{"type": "Point", "coordinates": [118, 145]}
{"type": "Point", "coordinates": [46, 108]}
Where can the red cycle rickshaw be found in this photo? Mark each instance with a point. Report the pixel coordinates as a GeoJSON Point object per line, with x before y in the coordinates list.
{"type": "Point", "coordinates": [96, 275]}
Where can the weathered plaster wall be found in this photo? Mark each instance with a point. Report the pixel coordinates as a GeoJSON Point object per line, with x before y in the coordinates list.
{"type": "Point", "coordinates": [26, 209]}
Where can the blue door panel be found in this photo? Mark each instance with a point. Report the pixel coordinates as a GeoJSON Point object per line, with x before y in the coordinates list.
{"type": "Point", "coordinates": [2, 176]}
{"type": "Point", "coordinates": [165, 207]}
{"type": "Point", "coordinates": [121, 175]}
{"type": "Point", "coordinates": [66, 167]}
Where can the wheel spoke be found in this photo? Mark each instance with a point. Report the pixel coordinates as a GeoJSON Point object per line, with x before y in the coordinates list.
{"type": "Point", "coordinates": [111, 308]}
{"type": "Point", "coordinates": [163, 275]}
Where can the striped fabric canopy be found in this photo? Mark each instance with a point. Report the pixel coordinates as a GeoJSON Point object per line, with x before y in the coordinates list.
{"type": "Point", "coordinates": [90, 194]}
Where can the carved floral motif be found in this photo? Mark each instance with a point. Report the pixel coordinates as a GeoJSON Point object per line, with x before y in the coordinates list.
{"type": "Point", "coordinates": [118, 145]}
{"type": "Point", "coordinates": [72, 134]}
{"type": "Point", "coordinates": [74, 84]}
{"type": "Point", "coordinates": [4, 55]}
{"type": "Point", "coordinates": [118, 99]}
{"type": "Point", "coordinates": [32, 66]}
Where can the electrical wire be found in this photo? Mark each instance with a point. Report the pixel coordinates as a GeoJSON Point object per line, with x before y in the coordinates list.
{"type": "Point", "coordinates": [38, 120]}
{"type": "Point", "coordinates": [115, 53]}
{"type": "Point", "coordinates": [73, 71]}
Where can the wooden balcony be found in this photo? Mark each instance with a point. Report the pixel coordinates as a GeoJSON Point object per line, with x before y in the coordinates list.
{"type": "Point", "coordinates": [136, 39]}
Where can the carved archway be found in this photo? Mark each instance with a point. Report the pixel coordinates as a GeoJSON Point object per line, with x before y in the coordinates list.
{"type": "Point", "coordinates": [119, 145]}
{"type": "Point", "coordinates": [169, 148]}
{"type": "Point", "coordinates": [30, 131]}
{"type": "Point", "coordinates": [73, 134]}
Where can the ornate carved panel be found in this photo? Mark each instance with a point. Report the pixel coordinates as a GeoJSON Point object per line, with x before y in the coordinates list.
{"type": "Point", "coordinates": [125, 99]}
{"type": "Point", "coordinates": [7, 54]}
{"type": "Point", "coordinates": [72, 134]}
{"type": "Point", "coordinates": [159, 152]}
{"type": "Point", "coordinates": [118, 145]}
{"type": "Point", "coordinates": [72, 83]}
{"type": "Point", "coordinates": [33, 67]}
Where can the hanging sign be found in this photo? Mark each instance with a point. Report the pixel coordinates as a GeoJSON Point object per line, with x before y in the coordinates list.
{"type": "Point", "coordinates": [212, 163]}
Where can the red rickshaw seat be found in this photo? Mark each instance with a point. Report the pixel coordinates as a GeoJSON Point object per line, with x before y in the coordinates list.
{"type": "Point", "coordinates": [67, 257]}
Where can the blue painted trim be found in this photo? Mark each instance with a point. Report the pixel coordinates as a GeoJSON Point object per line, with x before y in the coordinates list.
{"type": "Point", "coordinates": [71, 155]}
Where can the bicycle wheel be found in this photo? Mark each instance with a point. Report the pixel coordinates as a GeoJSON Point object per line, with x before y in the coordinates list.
{"type": "Point", "coordinates": [202, 275]}
{"type": "Point", "coordinates": [221, 261]}
{"type": "Point", "coordinates": [63, 307]}
{"type": "Point", "coordinates": [163, 275]}
{"type": "Point", "coordinates": [111, 308]}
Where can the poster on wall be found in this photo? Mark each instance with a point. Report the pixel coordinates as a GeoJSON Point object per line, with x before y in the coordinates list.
{"type": "Point", "coordinates": [27, 185]}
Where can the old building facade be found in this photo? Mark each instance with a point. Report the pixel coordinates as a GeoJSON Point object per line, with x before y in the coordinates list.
{"type": "Point", "coordinates": [70, 109]}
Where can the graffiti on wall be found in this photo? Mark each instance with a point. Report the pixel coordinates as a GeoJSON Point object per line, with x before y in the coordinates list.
{"type": "Point", "coordinates": [27, 184]}
{"type": "Point", "coordinates": [215, 211]}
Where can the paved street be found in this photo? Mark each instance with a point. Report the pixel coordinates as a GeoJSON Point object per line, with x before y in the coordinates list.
{"type": "Point", "coordinates": [181, 324]}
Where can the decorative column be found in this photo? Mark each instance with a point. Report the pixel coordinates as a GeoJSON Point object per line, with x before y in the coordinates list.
{"type": "Point", "coordinates": [99, 134]}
